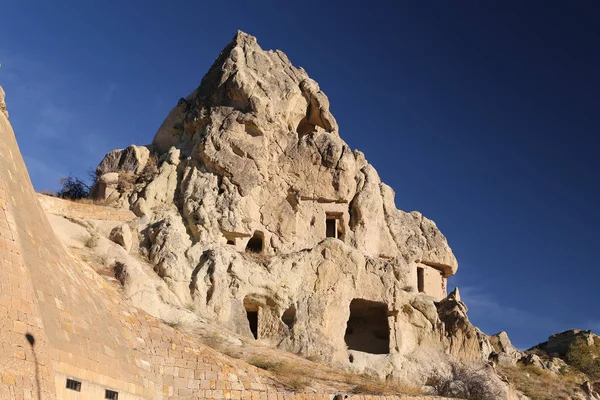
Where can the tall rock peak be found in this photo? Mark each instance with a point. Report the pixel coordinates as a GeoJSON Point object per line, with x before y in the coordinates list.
{"type": "Point", "coordinates": [263, 87]}
{"type": "Point", "coordinates": [254, 203]}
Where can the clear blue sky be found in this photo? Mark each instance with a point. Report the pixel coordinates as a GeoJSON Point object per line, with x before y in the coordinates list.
{"type": "Point", "coordinates": [483, 115]}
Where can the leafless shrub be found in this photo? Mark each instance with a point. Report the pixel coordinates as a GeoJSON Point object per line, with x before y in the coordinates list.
{"type": "Point", "coordinates": [150, 170]}
{"type": "Point", "coordinates": [126, 182]}
{"type": "Point", "coordinates": [466, 382]}
{"type": "Point", "coordinates": [73, 188]}
{"type": "Point", "coordinates": [121, 273]}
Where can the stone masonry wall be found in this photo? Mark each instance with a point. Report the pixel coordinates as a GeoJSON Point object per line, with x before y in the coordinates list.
{"type": "Point", "coordinates": [83, 328]}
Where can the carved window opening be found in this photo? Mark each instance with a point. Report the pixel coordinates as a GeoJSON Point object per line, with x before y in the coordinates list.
{"type": "Point", "coordinates": [334, 226]}
{"type": "Point", "coordinates": [368, 329]}
{"type": "Point", "coordinates": [111, 395]}
{"type": "Point", "coordinates": [231, 242]}
{"type": "Point", "coordinates": [72, 384]}
{"type": "Point", "coordinates": [421, 279]}
{"type": "Point", "coordinates": [256, 243]}
{"type": "Point", "coordinates": [289, 317]}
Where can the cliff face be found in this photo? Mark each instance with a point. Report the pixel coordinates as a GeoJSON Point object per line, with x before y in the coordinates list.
{"type": "Point", "coordinates": [259, 217]}
{"type": "Point", "coordinates": [67, 333]}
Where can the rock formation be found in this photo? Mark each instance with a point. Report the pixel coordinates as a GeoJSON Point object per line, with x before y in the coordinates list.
{"type": "Point", "coordinates": [260, 218]}
{"type": "Point", "coordinates": [2, 103]}
{"type": "Point", "coordinates": [558, 344]}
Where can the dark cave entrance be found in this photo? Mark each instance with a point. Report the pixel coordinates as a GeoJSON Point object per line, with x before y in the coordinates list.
{"type": "Point", "coordinates": [368, 328]}
{"type": "Point", "coordinates": [421, 279]}
{"type": "Point", "coordinates": [253, 322]}
{"type": "Point", "coordinates": [252, 308]}
{"type": "Point", "coordinates": [289, 317]}
{"type": "Point", "coordinates": [256, 243]}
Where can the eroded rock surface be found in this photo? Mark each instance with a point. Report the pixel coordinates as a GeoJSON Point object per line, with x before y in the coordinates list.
{"type": "Point", "coordinates": [2, 103]}
{"type": "Point", "coordinates": [259, 217]}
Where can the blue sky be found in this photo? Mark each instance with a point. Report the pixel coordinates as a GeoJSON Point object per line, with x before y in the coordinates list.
{"type": "Point", "coordinates": [482, 115]}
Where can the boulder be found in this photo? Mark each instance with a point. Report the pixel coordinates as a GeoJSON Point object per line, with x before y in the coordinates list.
{"type": "Point", "coordinates": [106, 186]}
{"type": "Point", "coordinates": [589, 391]}
{"type": "Point", "coordinates": [507, 354]}
{"type": "Point", "coordinates": [132, 159]}
{"type": "Point", "coordinates": [122, 235]}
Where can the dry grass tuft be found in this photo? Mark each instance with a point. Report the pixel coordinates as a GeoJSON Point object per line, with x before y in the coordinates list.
{"type": "Point", "coordinates": [258, 258]}
{"type": "Point", "coordinates": [94, 202]}
{"type": "Point", "coordinates": [91, 241]}
{"type": "Point", "coordinates": [375, 386]}
{"type": "Point", "coordinates": [126, 182]}
{"type": "Point", "coordinates": [285, 372]}
{"type": "Point", "coordinates": [542, 385]}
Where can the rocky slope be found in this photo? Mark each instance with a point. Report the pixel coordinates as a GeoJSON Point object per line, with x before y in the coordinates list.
{"type": "Point", "coordinates": [257, 216]}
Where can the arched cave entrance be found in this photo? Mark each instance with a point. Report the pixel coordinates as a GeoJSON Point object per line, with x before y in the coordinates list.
{"type": "Point", "coordinates": [256, 243]}
{"type": "Point", "coordinates": [368, 329]}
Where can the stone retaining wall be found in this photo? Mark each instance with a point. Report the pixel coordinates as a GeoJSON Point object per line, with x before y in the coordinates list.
{"type": "Point", "coordinates": [73, 209]}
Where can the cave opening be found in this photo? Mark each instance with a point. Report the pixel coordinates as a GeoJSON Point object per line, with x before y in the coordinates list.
{"type": "Point", "coordinates": [256, 243]}
{"type": "Point", "coordinates": [289, 317]}
{"type": "Point", "coordinates": [368, 329]}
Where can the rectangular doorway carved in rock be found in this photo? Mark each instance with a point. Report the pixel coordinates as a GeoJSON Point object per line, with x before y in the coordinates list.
{"type": "Point", "coordinates": [368, 328]}
{"type": "Point", "coordinates": [252, 307]}
{"type": "Point", "coordinates": [421, 279]}
{"type": "Point", "coordinates": [334, 226]}
{"type": "Point", "coordinates": [253, 322]}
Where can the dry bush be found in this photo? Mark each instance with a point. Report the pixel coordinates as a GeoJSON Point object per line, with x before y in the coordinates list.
{"type": "Point", "coordinates": [150, 170]}
{"type": "Point", "coordinates": [121, 273]}
{"type": "Point", "coordinates": [126, 182]}
{"type": "Point", "coordinates": [73, 188]}
{"type": "Point", "coordinates": [474, 383]}
{"type": "Point", "coordinates": [91, 241]}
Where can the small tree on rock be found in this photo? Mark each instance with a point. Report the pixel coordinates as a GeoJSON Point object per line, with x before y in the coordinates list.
{"type": "Point", "coordinates": [73, 188]}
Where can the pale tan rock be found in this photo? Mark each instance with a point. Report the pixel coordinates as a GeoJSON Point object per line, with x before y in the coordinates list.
{"type": "Point", "coordinates": [259, 210]}
{"type": "Point", "coordinates": [106, 186]}
{"type": "Point", "coordinates": [122, 235]}
{"type": "Point", "coordinates": [132, 159]}
{"type": "Point", "coordinates": [2, 103]}
{"type": "Point", "coordinates": [507, 354]}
